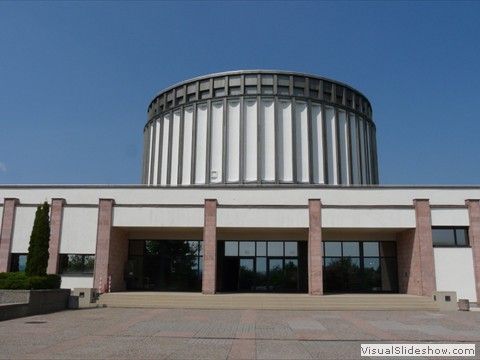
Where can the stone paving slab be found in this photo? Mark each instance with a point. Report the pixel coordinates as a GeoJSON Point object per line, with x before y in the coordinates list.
{"type": "Point", "coordinates": [115, 333]}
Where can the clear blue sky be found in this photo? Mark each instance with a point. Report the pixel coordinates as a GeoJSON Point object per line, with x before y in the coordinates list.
{"type": "Point", "coordinates": [76, 77]}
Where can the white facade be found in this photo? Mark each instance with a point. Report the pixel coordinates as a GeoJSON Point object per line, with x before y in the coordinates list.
{"type": "Point", "coordinates": [261, 127]}
{"type": "Point", "coordinates": [348, 214]}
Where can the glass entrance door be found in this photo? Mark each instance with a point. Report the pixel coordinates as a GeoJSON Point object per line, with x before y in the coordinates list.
{"type": "Point", "coordinates": [246, 275]}
{"type": "Point", "coordinates": [262, 266]}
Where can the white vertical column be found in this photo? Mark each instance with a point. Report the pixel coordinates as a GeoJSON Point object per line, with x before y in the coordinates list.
{"type": "Point", "coordinates": [285, 142]}
{"type": "Point", "coordinates": [331, 145]}
{"type": "Point", "coordinates": [343, 137]}
{"type": "Point", "coordinates": [156, 159]}
{"type": "Point", "coordinates": [317, 144]}
{"type": "Point", "coordinates": [301, 142]}
{"type": "Point", "coordinates": [175, 148]}
{"type": "Point", "coordinates": [216, 151]}
{"type": "Point", "coordinates": [267, 140]}
{"type": "Point", "coordinates": [233, 141]}
{"type": "Point", "coordinates": [187, 145]}
{"type": "Point", "coordinates": [201, 144]}
{"type": "Point", "coordinates": [165, 147]}
{"type": "Point", "coordinates": [150, 152]}
{"type": "Point", "coordinates": [361, 125]}
{"type": "Point", "coordinates": [369, 153]}
{"type": "Point", "coordinates": [250, 140]}
{"type": "Point", "coordinates": [354, 145]}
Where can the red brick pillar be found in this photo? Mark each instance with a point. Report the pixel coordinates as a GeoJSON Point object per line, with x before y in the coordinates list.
{"type": "Point", "coordinates": [6, 233]}
{"type": "Point", "coordinates": [102, 252]}
{"type": "Point", "coordinates": [423, 240]}
{"type": "Point", "coordinates": [210, 247]}
{"type": "Point", "coordinates": [56, 217]}
{"type": "Point", "coordinates": [474, 237]}
{"type": "Point", "coordinates": [315, 248]}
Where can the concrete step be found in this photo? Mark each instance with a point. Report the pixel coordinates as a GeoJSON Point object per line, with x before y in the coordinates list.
{"type": "Point", "coordinates": [267, 301]}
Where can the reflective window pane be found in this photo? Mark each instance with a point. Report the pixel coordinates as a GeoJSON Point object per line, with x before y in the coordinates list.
{"type": "Point", "coordinates": [275, 270]}
{"type": "Point", "coordinates": [462, 237]}
{"type": "Point", "coordinates": [291, 274]}
{"type": "Point", "coordinates": [332, 260]}
{"type": "Point", "coordinates": [247, 248]}
{"type": "Point", "coordinates": [89, 263]}
{"type": "Point", "coordinates": [351, 248]}
{"type": "Point", "coordinates": [261, 279]}
{"type": "Point", "coordinates": [22, 262]}
{"type": "Point", "coordinates": [370, 249]}
{"type": "Point", "coordinates": [371, 263]}
{"type": "Point", "coordinates": [291, 248]}
{"type": "Point", "coordinates": [333, 248]}
{"type": "Point", "coordinates": [443, 237]}
{"type": "Point", "coordinates": [275, 248]}
{"type": "Point", "coordinates": [231, 248]}
{"type": "Point", "coordinates": [261, 248]}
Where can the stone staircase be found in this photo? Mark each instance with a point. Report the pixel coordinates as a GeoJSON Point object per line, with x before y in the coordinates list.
{"type": "Point", "coordinates": [171, 300]}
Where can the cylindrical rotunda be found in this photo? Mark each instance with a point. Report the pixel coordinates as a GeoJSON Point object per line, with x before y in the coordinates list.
{"type": "Point", "coordinates": [259, 127]}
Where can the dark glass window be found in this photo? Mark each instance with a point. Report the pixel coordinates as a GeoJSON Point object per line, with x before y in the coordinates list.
{"type": "Point", "coordinates": [298, 91]}
{"type": "Point", "coordinates": [351, 248]}
{"type": "Point", "coordinates": [264, 266]}
{"type": "Point", "coordinates": [247, 248]}
{"type": "Point", "coordinates": [291, 248]}
{"type": "Point", "coordinates": [261, 248]}
{"type": "Point", "coordinates": [451, 236]}
{"type": "Point", "coordinates": [18, 262]}
{"type": "Point", "coordinates": [360, 266]}
{"type": "Point", "coordinates": [267, 90]}
{"type": "Point", "coordinates": [370, 248]}
{"type": "Point", "coordinates": [275, 248]}
{"type": "Point", "coordinates": [76, 264]}
{"type": "Point", "coordinates": [231, 248]}
{"type": "Point", "coordinates": [282, 90]}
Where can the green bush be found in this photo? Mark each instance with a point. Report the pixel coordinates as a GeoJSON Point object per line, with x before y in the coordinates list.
{"type": "Point", "coordinates": [19, 281]}
{"type": "Point", "coordinates": [37, 259]}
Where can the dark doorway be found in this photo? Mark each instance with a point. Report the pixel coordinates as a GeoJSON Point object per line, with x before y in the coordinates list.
{"type": "Point", "coordinates": [261, 266]}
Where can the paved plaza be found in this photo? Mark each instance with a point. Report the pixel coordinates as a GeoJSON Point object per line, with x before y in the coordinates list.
{"type": "Point", "coordinates": [116, 333]}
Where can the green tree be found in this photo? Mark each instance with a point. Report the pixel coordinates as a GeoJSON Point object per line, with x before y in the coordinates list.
{"type": "Point", "coordinates": [37, 259]}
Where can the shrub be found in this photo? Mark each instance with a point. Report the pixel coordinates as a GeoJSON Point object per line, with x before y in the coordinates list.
{"type": "Point", "coordinates": [20, 281]}
{"type": "Point", "coordinates": [37, 259]}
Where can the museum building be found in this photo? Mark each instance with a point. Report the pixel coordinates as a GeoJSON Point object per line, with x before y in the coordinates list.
{"type": "Point", "coordinates": [255, 181]}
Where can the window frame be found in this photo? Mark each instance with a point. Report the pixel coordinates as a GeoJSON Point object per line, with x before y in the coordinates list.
{"type": "Point", "coordinates": [454, 230]}
{"type": "Point", "coordinates": [82, 272]}
{"type": "Point", "coordinates": [14, 262]}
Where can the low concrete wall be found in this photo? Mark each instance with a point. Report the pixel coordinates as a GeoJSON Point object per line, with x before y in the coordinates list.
{"type": "Point", "coordinates": [19, 303]}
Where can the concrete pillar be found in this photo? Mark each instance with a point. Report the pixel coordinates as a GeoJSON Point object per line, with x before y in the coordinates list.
{"type": "Point", "coordinates": [474, 237]}
{"type": "Point", "coordinates": [104, 230]}
{"type": "Point", "coordinates": [56, 217]}
{"type": "Point", "coordinates": [6, 233]}
{"type": "Point", "coordinates": [111, 252]}
{"type": "Point", "coordinates": [423, 236]}
{"type": "Point", "coordinates": [210, 247]}
{"type": "Point", "coordinates": [416, 264]}
{"type": "Point", "coordinates": [315, 248]}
